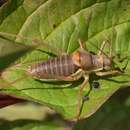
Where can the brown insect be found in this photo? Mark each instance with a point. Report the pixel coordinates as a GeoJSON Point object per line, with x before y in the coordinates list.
{"type": "Point", "coordinates": [71, 67]}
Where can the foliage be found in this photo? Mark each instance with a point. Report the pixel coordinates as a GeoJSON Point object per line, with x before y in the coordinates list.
{"type": "Point", "coordinates": [61, 23]}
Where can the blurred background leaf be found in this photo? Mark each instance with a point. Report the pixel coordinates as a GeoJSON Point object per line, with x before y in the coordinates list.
{"type": "Point", "coordinates": [30, 125]}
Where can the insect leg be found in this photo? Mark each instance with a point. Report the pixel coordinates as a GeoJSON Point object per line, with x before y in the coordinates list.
{"type": "Point", "coordinates": [81, 44]}
{"type": "Point", "coordinates": [113, 72]}
{"type": "Point", "coordinates": [77, 75]}
{"type": "Point", "coordinates": [102, 47]}
{"type": "Point", "coordinates": [110, 50]}
{"type": "Point", "coordinates": [86, 78]}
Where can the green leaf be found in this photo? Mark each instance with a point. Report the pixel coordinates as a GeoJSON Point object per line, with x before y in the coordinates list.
{"type": "Point", "coordinates": [60, 24]}
{"type": "Point", "coordinates": [115, 112]}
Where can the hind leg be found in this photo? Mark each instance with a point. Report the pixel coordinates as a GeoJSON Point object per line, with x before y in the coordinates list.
{"type": "Point", "coordinates": [83, 85]}
{"type": "Point", "coordinates": [107, 73]}
{"type": "Point", "coordinates": [103, 46]}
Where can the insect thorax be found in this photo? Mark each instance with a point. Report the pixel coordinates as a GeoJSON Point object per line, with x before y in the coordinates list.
{"type": "Point", "coordinates": [88, 61]}
{"type": "Point", "coordinates": [85, 60]}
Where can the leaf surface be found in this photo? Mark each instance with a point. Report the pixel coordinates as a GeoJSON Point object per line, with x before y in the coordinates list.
{"type": "Point", "coordinates": [60, 24]}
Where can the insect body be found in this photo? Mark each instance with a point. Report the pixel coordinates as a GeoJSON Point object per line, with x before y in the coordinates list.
{"type": "Point", "coordinates": [70, 67]}
{"type": "Point", "coordinates": [56, 68]}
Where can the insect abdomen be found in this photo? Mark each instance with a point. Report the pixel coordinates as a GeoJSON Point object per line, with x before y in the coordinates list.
{"type": "Point", "coordinates": [59, 66]}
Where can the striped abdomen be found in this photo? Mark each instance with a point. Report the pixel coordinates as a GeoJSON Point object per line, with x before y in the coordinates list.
{"type": "Point", "coordinates": [56, 67]}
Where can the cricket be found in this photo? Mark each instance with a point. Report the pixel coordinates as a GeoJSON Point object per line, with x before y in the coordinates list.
{"type": "Point", "coordinates": [71, 67]}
